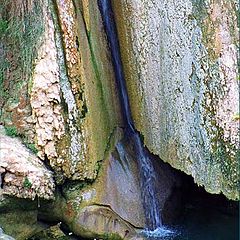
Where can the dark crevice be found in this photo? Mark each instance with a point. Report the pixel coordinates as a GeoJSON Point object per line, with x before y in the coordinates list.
{"type": "Point", "coordinates": [2, 175]}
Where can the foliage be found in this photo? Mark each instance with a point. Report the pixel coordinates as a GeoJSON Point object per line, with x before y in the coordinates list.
{"type": "Point", "coordinates": [31, 146]}
{"type": "Point", "coordinates": [27, 183]}
{"type": "Point", "coordinates": [11, 131]}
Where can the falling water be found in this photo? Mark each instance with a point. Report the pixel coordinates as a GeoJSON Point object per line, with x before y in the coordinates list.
{"type": "Point", "coordinates": [108, 19]}
{"type": "Point", "coordinates": [147, 176]}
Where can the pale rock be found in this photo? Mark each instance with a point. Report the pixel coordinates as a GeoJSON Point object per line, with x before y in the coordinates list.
{"type": "Point", "coordinates": [25, 174]}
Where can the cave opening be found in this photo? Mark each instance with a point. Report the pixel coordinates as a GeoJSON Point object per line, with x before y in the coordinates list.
{"type": "Point", "coordinates": [195, 214]}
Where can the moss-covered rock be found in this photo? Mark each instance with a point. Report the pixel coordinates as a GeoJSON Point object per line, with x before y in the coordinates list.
{"type": "Point", "coordinates": [112, 204]}
{"type": "Point", "coordinates": [56, 82]}
{"type": "Point", "coordinates": [18, 217]}
{"type": "Point", "coordinates": [51, 233]}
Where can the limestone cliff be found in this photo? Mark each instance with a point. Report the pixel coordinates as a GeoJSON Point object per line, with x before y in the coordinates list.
{"type": "Point", "coordinates": [58, 90]}
{"type": "Point", "coordinates": [180, 63]}
{"type": "Point", "coordinates": [69, 148]}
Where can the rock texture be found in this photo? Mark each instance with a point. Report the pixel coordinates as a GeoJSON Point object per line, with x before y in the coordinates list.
{"type": "Point", "coordinates": [22, 174]}
{"type": "Point", "coordinates": [109, 206]}
{"type": "Point", "coordinates": [51, 233]}
{"type": "Point", "coordinates": [88, 89]}
{"type": "Point", "coordinates": [112, 205]}
{"type": "Point", "coordinates": [180, 63]}
{"type": "Point", "coordinates": [5, 236]}
{"type": "Point", "coordinates": [68, 86]}
{"type": "Point", "coordinates": [18, 217]}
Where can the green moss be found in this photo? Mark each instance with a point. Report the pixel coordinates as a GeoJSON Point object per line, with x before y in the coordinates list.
{"type": "Point", "coordinates": [27, 183]}
{"type": "Point", "coordinates": [23, 34]}
{"type": "Point", "coordinates": [4, 65]}
{"type": "Point", "coordinates": [75, 186]}
{"type": "Point", "coordinates": [111, 236]}
{"type": "Point", "coordinates": [71, 190]}
{"type": "Point", "coordinates": [20, 37]}
{"type": "Point", "coordinates": [227, 157]}
{"type": "Point", "coordinates": [31, 146]}
{"type": "Point", "coordinates": [11, 131]}
{"type": "Point", "coordinates": [3, 27]}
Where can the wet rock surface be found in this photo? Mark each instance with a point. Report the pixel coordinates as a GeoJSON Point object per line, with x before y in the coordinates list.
{"type": "Point", "coordinates": [113, 204]}
{"type": "Point", "coordinates": [180, 65]}
{"type": "Point", "coordinates": [4, 236]}
{"type": "Point", "coordinates": [18, 217]}
{"type": "Point", "coordinates": [181, 99]}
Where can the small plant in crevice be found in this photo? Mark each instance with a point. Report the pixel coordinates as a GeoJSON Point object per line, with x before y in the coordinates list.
{"type": "Point", "coordinates": [31, 146]}
{"type": "Point", "coordinates": [11, 131]}
{"type": "Point", "coordinates": [27, 183]}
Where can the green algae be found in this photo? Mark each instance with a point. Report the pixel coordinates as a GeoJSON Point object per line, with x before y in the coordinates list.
{"type": "Point", "coordinates": [20, 38]}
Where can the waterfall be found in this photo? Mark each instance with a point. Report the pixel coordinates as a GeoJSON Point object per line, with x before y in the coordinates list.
{"type": "Point", "coordinates": [110, 28]}
{"type": "Point", "coordinates": [147, 176]}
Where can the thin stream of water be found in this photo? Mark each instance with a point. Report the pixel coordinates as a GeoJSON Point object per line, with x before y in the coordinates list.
{"type": "Point", "coordinates": [147, 175]}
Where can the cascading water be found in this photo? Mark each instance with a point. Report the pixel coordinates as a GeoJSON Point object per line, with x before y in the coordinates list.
{"type": "Point", "coordinates": [108, 20]}
{"type": "Point", "coordinates": [147, 176]}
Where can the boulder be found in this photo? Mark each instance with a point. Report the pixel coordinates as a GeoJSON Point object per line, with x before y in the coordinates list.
{"type": "Point", "coordinates": [23, 174]}
{"type": "Point", "coordinates": [18, 217]}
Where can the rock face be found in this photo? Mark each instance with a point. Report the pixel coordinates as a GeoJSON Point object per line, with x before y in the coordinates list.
{"type": "Point", "coordinates": [180, 63]}
{"type": "Point", "coordinates": [73, 91]}
{"type": "Point", "coordinates": [113, 204]}
{"type": "Point", "coordinates": [58, 95]}
{"type": "Point", "coordinates": [22, 174]}
{"type": "Point", "coordinates": [18, 217]}
{"type": "Point", "coordinates": [53, 232]}
{"type": "Point", "coordinates": [68, 85]}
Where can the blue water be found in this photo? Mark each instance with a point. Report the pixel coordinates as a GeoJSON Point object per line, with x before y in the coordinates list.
{"type": "Point", "coordinates": [208, 224]}
{"type": "Point", "coordinates": [200, 222]}
{"type": "Point", "coordinates": [198, 226]}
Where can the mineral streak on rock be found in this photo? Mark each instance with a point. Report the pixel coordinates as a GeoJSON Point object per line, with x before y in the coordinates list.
{"type": "Point", "coordinates": [87, 86]}
{"type": "Point", "coordinates": [46, 100]}
{"type": "Point", "coordinates": [72, 87]}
